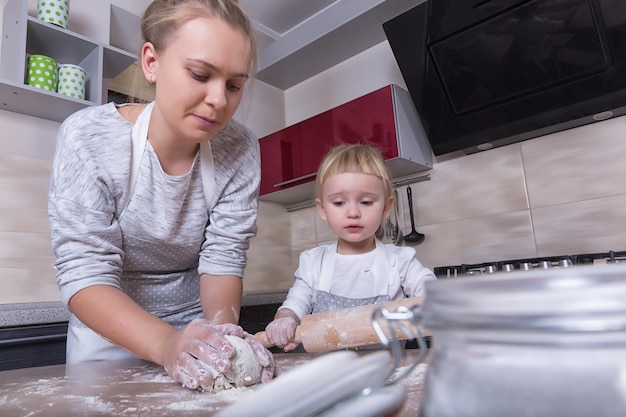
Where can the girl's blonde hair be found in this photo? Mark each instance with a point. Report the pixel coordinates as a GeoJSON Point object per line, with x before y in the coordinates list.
{"type": "Point", "coordinates": [163, 17]}
{"type": "Point", "coordinates": [354, 158]}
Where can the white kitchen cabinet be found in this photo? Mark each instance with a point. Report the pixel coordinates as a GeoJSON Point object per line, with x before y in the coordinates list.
{"type": "Point", "coordinates": [23, 35]}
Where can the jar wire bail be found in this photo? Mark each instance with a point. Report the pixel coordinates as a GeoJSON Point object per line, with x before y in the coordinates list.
{"type": "Point", "coordinates": [388, 325]}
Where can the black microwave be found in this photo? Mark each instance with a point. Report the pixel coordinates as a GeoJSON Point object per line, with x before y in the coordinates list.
{"type": "Point", "coordinates": [486, 73]}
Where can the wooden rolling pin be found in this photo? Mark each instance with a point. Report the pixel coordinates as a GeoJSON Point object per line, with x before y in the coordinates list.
{"type": "Point", "coordinates": [341, 329]}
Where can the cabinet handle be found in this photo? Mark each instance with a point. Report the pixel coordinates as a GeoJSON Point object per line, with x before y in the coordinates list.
{"type": "Point", "coordinates": [281, 184]}
{"type": "Point", "coordinates": [33, 339]}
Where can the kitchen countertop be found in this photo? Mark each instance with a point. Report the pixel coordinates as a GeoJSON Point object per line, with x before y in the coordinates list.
{"type": "Point", "coordinates": [25, 314]}
{"type": "Point", "coordinates": [140, 388]}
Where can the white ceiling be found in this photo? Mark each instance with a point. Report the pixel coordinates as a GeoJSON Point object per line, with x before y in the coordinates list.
{"type": "Point", "coordinates": [274, 19]}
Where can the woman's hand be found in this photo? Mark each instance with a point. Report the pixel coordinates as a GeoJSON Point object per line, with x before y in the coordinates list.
{"type": "Point", "coordinates": [263, 356]}
{"type": "Point", "coordinates": [193, 354]}
{"type": "Point", "coordinates": [282, 332]}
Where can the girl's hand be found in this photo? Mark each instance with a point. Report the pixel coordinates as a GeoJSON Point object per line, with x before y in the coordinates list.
{"type": "Point", "coordinates": [193, 354]}
{"type": "Point", "coordinates": [281, 332]}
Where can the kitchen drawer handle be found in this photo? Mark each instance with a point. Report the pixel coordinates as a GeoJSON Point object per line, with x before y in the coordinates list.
{"type": "Point", "coordinates": [282, 184]}
{"type": "Point", "coordinates": [33, 339]}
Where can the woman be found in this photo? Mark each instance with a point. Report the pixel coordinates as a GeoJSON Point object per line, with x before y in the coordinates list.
{"type": "Point", "coordinates": [152, 206]}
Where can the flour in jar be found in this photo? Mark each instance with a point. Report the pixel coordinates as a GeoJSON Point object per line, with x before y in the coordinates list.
{"type": "Point", "coordinates": [244, 369]}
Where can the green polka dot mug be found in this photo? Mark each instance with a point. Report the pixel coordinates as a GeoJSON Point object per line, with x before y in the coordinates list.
{"type": "Point", "coordinates": [72, 80]}
{"type": "Point", "coordinates": [54, 11]}
{"type": "Point", "coordinates": [42, 72]}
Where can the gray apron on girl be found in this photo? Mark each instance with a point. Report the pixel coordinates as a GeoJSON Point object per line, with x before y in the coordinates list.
{"type": "Point", "coordinates": [386, 272]}
{"type": "Point", "coordinates": [160, 266]}
{"type": "Point", "coordinates": [323, 300]}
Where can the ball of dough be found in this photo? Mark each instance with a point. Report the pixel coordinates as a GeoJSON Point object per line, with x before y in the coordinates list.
{"type": "Point", "coordinates": [244, 369]}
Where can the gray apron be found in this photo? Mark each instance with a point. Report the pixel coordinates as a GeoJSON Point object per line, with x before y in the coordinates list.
{"type": "Point", "coordinates": [324, 300]}
{"type": "Point", "coordinates": [171, 289]}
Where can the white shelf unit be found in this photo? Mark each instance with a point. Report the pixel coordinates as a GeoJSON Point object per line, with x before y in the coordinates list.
{"type": "Point", "coordinates": [23, 35]}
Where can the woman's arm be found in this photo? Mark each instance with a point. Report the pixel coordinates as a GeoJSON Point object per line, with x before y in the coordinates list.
{"type": "Point", "coordinates": [185, 354]}
{"type": "Point", "coordinates": [220, 296]}
{"type": "Point", "coordinates": [232, 220]}
{"type": "Point", "coordinates": [115, 316]}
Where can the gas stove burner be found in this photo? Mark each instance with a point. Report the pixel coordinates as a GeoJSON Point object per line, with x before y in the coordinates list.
{"type": "Point", "coordinates": [562, 261]}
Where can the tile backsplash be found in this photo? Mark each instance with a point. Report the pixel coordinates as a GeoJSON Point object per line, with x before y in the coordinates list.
{"type": "Point", "coordinates": [560, 194]}
{"type": "Point", "coordinates": [563, 193]}
{"type": "Point", "coordinates": [26, 260]}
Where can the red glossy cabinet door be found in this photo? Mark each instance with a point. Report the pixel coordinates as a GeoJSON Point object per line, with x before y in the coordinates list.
{"type": "Point", "coordinates": [292, 155]}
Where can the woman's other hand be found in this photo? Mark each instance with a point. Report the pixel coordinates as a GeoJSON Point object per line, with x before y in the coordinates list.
{"type": "Point", "coordinates": [193, 354]}
{"type": "Point", "coordinates": [263, 356]}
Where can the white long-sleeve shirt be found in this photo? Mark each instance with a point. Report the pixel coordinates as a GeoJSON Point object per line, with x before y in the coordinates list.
{"type": "Point", "coordinates": [326, 280]}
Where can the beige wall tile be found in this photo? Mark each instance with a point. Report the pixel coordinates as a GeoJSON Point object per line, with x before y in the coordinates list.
{"type": "Point", "coordinates": [24, 183]}
{"type": "Point", "coordinates": [25, 285]}
{"type": "Point", "coordinates": [481, 239]}
{"type": "Point", "coordinates": [269, 257]}
{"type": "Point", "coordinates": [20, 194]}
{"type": "Point", "coordinates": [19, 166]}
{"type": "Point", "coordinates": [322, 231]}
{"type": "Point", "coordinates": [577, 164]}
{"type": "Point", "coordinates": [590, 226]}
{"type": "Point", "coordinates": [27, 136]}
{"type": "Point", "coordinates": [26, 261]}
{"type": "Point", "coordinates": [19, 249]}
{"type": "Point", "coordinates": [471, 186]}
{"type": "Point", "coordinates": [27, 268]}
{"type": "Point", "coordinates": [305, 224]}
{"type": "Point", "coordinates": [26, 220]}
{"type": "Point", "coordinates": [302, 226]}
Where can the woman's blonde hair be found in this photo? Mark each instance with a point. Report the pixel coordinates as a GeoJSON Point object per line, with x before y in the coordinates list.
{"type": "Point", "coordinates": [163, 17]}
{"type": "Point", "coordinates": [354, 158]}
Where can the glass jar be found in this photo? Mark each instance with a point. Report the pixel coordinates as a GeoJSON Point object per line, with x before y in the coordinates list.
{"type": "Point", "coordinates": [545, 343]}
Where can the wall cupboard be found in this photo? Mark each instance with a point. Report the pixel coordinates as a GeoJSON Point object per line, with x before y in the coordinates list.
{"type": "Point", "coordinates": [385, 118]}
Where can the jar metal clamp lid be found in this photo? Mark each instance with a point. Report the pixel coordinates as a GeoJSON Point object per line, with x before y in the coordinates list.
{"type": "Point", "coordinates": [540, 343]}
{"type": "Point", "coordinates": [577, 299]}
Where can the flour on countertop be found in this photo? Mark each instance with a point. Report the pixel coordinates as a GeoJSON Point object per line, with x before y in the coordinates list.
{"type": "Point", "coordinates": [144, 390]}
{"type": "Point", "coordinates": [208, 400]}
{"type": "Point", "coordinates": [415, 377]}
{"type": "Point", "coordinates": [141, 389]}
